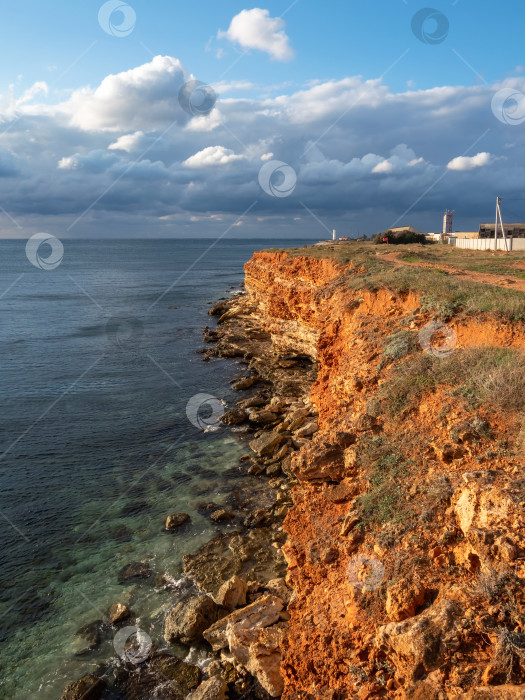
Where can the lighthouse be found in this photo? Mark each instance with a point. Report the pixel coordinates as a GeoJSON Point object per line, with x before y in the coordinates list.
{"type": "Point", "coordinates": [333, 234]}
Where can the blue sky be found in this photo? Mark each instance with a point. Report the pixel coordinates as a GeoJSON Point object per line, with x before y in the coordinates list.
{"type": "Point", "coordinates": [375, 122]}
{"type": "Point", "coordinates": [331, 40]}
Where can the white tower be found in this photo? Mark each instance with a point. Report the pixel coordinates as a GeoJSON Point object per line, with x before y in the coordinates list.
{"type": "Point", "coordinates": [447, 222]}
{"type": "Point", "coordinates": [333, 234]}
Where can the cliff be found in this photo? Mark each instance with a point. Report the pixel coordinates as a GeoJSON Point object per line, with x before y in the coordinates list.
{"type": "Point", "coordinates": [406, 538]}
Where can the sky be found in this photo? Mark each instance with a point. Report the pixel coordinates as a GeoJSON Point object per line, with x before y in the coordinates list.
{"type": "Point", "coordinates": [282, 119]}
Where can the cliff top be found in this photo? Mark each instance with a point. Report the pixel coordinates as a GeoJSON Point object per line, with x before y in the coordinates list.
{"type": "Point", "coordinates": [448, 279]}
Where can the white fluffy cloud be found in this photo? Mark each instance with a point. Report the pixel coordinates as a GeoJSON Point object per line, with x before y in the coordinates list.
{"type": "Point", "coordinates": [140, 98]}
{"type": "Point", "coordinates": [128, 142]}
{"type": "Point", "coordinates": [385, 166]}
{"type": "Point", "coordinates": [480, 160]}
{"type": "Point", "coordinates": [255, 29]}
{"type": "Point", "coordinates": [68, 163]}
{"type": "Point", "coordinates": [212, 156]}
{"type": "Point", "coordinates": [362, 154]}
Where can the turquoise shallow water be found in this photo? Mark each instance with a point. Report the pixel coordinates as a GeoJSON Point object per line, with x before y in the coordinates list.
{"type": "Point", "coordinates": [96, 448]}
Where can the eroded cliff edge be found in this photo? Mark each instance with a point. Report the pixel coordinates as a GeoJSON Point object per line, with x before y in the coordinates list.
{"type": "Point", "coordinates": [406, 536]}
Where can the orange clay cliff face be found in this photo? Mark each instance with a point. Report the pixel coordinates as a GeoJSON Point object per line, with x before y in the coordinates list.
{"type": "Point", "coordinates": [406, 538]}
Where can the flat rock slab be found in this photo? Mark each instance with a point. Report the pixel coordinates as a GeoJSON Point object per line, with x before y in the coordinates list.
{"type": "Point", "coordinates": [266, 444]}
{"type": "Point", "coordinates": [263, 613]}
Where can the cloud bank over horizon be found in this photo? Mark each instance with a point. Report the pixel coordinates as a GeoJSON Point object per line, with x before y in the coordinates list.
{"type": "Point", "coordinates": [123, 158]}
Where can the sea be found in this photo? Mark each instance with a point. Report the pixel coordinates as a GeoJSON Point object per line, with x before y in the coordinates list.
{"type": "Point", "coordinates": [109, 424]}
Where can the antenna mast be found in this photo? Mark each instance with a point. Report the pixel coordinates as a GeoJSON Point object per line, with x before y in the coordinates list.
{"type": "Point", "coordinates": [499, 222]}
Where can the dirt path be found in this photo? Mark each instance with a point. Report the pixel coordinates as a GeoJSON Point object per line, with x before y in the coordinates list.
{"type": "Point", "coordinates": [480, 277]}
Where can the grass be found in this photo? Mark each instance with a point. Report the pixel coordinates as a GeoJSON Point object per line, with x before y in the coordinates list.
{"type": "Point", "coordinates": [400, 345]}
{"type": "Point", "coordinates": [479, 375]}
{"type": "Point", "coordinates": [384, 501]}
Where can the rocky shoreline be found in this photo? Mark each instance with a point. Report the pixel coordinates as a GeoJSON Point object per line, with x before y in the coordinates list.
{"type": "Point", "coordinates": [234, 608]}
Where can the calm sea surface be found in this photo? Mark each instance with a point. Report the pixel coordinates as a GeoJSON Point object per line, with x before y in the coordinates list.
{"type": "Point", "coordinates": [96, 372]}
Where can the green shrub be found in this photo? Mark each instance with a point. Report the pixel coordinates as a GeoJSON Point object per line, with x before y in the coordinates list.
{"type": "Point", "coordinates": [400, 237]}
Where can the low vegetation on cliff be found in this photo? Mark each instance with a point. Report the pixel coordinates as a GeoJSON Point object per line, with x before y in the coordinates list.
{"type": "Point", "coordinates": [406, 540]}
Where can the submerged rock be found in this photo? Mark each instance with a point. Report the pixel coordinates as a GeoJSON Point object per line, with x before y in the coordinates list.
{"type": "Point", "coordinates": [88, 687]}
{"type": "Point", "coordinates": [186, 622]}
{"type": "Point", "coordinates": [88, 637]}
{"type": "Point", "coordinates": [221, 515]}
{"type": "Point", "coordinates": [138, 569]}
{"type": "Point", "coordinates": [164, 677]}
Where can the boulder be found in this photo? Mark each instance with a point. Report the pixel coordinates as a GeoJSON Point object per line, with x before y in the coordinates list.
{"type": "Point", "coordinates": [221, 515]}
{"type": "Point", "coordinates": [251, 557]}
{"type": "Point", "coordinates": [307, 430]}
{"type": "Point", "coordinates": [234, 417]}
{"type": "Point", "coordinates": [266, 444]}
{"type": "Point", "coordinates": [219, 308]}
{"type": "Point", "coordinates": [342, 492]}
{"type": "Point", "coordinates": [88, 687]}
{"type": "Point", "coordinates": [252, 402]}
{"type": "Point", "coordinates": [403, 599]}
{"type": "Point", "coordinates": [175, 520]}
{"type": "Point", "coordinates": [263, 613]}
{"type": "Point", "coordinates": [364, 422]}
{"type": "Point", "coordinates": [186, 622]}
{"type": "Point", "coordinates": [262, 417]}
{"type": "Point", "coordinates": [259, 651]}
{"type": "Point", "coordinates": [117, 613]}
{"type": "Point", "coordinates": [277, 587]}
{"type": "Point", "coordinates": [232, 593]}
{"type": "Point", "coordinates": [212, 689]}
{"type": "Point", "coordinates": [320, 462]}
{"type": "Point", "coordinates": [244, 383]}
{"type": "Point", "coordinates": [485, 507]}
{"type": "Point", "coordinates": [418, 646]}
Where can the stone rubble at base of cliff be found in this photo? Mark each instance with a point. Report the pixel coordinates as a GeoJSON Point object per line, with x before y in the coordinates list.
{"type": "Point", "coordinates": [446, 616]}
